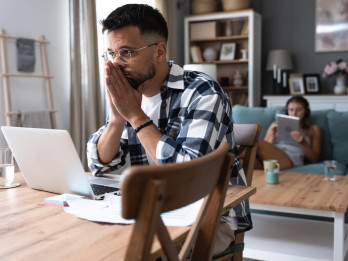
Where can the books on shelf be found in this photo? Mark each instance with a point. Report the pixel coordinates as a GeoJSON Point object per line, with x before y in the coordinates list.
{"type": "Point", "coordinates": [196, 54]}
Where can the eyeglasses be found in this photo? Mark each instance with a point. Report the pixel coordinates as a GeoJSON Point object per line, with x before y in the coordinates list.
{"type": "Point", "coordinates": [123, 54]}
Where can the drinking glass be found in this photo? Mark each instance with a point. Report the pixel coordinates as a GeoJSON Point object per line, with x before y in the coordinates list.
{"type": "Point", "coordinates": [330, 169]}
{"type": "Point", "coordinates": [6, 167]}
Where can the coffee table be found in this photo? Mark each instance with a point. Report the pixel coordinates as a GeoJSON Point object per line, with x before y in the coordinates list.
{"type": "Point", "coordinates": [286, 238]}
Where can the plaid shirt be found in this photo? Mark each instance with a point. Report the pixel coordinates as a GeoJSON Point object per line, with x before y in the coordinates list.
{"type": "Point", "coordinates": [195, 117]}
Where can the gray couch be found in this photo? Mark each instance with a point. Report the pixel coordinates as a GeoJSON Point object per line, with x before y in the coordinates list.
{"type": "Point", "coordinates": [333, 124]}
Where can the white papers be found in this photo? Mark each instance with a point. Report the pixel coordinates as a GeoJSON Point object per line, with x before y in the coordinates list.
{"type": "Point", "coordinates": [109, 210]}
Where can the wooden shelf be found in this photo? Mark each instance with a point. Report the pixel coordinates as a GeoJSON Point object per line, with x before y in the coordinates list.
{"type": "Point", "coordinates": [221, 38]}
{"type": "Point", "coordinates": [221, 62]}
{"type": "Point", "coordinates": [235, 88]}
{"type": "Point", "coordinates": [26, 75]}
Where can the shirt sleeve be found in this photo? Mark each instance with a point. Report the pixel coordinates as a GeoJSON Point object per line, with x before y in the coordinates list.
{"type": "Point", "coordinates": [201, 130]}
{"type": "Point", "coordinates": [98, 168]}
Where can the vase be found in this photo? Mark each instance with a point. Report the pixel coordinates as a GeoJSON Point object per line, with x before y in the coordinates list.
{"type": "Point", "coordinates": [340, 87]}
{"type": "Point", "coordinates": [209, 54]}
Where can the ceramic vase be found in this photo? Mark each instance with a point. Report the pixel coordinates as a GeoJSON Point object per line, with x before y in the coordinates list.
{"type": "Point", "coordinates": [209, 54]}
{"type": "Point", "coordinates": [340, 87]}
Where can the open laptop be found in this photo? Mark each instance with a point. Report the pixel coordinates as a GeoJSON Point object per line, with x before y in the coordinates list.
{"type": "Point", "coordinates": [48, 161]}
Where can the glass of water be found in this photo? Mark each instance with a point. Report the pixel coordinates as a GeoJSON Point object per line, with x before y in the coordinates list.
{"type": "Point", "coordinates": [330, 169]}
{"type": "Point", "coordinates": [6, 167]}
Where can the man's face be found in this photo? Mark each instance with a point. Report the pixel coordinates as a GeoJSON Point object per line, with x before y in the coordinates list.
{"type": "Point", "coordinates": [141, 66]}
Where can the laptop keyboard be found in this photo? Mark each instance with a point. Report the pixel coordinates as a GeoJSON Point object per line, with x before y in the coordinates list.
{"type": "Point", "coordinates": [100, 190]}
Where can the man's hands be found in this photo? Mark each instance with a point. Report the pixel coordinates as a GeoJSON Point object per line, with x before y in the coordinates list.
{"type": "Point", "coordinates": [125, 101]}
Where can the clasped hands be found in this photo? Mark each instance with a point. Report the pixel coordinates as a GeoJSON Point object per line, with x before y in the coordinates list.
{"type": "Point", "coordinates": [125, 101]}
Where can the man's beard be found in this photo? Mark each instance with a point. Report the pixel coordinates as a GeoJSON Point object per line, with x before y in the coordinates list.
{"type": "Point", "coordinates": [136, 82]}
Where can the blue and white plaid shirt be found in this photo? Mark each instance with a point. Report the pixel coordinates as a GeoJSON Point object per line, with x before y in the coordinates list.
{"type": "Point", "coordinates": [195, 117]}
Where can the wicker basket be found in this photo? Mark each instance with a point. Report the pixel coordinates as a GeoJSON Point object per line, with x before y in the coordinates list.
{"type": "Point", "coordinates": [232, 5]}
{"type": "Point", "coordinates": [204, 6]}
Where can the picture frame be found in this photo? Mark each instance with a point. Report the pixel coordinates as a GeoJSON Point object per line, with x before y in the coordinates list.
{"type": "Point", "coordinates": [330, 35]}
{"type": "Point", "coordinates": [227, 51]}
{"type": "Point", "coordinates": [296, 84]}
{"type": "Point", "coordinates": [312, 83]}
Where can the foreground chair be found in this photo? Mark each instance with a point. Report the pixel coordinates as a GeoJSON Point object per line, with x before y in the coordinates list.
{"type": "Point", "coordinates": [246, 136]}
{"type": "Point", "coordinates": [148, 191]}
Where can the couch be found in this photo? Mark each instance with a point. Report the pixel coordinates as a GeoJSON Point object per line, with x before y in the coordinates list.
{"type": "Point", "coordinates": [333, 124]}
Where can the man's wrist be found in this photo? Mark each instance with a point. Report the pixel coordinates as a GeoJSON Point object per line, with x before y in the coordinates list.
{"type": "Point", "coordinates": [143, 125]}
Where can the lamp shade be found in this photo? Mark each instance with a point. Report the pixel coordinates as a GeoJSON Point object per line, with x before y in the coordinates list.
{"type": "Point", "coordinates": [281, 58]}
{"type": "Point", "coordinates": [209, 69]}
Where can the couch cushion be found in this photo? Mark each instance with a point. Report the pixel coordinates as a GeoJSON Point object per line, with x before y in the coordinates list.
{"type": "Point", "coordinates": [261, 115]}
{"type": "Point", "coordinates": [319, 117]}
{"type": "Point", "coordinates": [338, 125]}
{"type": "Point", "coordinates": [318, 168]}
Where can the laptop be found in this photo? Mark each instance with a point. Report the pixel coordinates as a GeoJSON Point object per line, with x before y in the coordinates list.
{"type": "Point", "coordinates": [48, 161]}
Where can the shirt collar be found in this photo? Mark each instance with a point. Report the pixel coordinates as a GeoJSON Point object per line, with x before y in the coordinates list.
{"type": "Point", "coordinates": [175, 78]}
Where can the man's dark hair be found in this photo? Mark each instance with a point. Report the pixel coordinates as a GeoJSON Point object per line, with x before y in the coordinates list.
{"type": "Point", "coordinates": [145, 17]}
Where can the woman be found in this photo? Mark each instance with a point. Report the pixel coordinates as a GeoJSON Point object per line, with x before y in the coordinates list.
{"type": "Point", "coordinates": [305, 143]}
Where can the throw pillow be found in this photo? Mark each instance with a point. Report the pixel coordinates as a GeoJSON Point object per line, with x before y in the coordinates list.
{"type": "Point", "coordinates": [338, 125]}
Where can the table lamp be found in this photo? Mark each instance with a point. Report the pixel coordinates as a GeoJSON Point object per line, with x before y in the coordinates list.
{"type": "Point", "coordinates": [279, 61]}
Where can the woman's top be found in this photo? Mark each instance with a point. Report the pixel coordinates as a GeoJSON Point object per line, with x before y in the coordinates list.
{"type": "Point", "coordinates": [293, 149]}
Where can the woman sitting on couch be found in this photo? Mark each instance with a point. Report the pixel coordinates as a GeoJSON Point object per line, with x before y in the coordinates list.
{"type": "Point", "coordinates": [306, 143]}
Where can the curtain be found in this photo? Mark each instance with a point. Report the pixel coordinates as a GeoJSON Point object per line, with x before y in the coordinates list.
{"type": "Point", "coordinates": [87, 113]}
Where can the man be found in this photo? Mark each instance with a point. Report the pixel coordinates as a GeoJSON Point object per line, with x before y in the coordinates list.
{"type": "Point", "coordinates": [160, 113]}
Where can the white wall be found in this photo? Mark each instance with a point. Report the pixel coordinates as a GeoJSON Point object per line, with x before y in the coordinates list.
{"type": "Point", "coordinates": [30, 19]}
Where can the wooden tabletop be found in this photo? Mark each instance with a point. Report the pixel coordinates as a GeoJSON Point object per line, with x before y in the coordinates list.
{"type": "Point", "coordinates": [302, 191]}
{"type": "Point", "coordinates": [31, 230]}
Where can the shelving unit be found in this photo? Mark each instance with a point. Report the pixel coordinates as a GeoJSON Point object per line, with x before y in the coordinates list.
{"type": "Point", "coordinates": [6, 78]}
{"type": "Point", "coordinates": [213, 36]}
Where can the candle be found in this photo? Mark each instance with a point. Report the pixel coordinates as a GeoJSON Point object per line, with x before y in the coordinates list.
{"type": "Point", "coordinates": [284, 79]}
{"type": "Point", "coordinates": [274, 71]}
{"type": "Point", "coordinates": [279, 76]}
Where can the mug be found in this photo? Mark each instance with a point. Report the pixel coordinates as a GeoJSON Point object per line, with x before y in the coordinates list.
{"type": "Point", "coordinates": [270, 165]}
{"type": "Point", "coordinates": [272, 176]}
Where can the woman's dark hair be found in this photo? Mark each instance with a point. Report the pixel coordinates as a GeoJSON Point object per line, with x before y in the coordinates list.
{"type": "Point", "coordinates": [145, 17]}
{"type": "Point", "coordinates": [305, 123]}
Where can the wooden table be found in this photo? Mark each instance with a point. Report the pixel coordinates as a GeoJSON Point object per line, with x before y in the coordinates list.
{"type": "Point", "coordinates": [31, 230]}
{"type": "Point", "coordinates": [298, 193]}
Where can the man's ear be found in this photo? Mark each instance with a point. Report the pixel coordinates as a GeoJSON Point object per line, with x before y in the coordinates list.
{"type": "Point", "coordinates": [161, 52]}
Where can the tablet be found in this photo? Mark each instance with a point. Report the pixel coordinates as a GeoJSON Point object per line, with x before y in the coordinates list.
{"type": "Point", "coordinates": [287, 124]}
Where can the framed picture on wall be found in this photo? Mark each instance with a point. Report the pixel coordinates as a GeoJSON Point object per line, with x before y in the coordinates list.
{"type": "Point", "coordinates": [296, 84]}
{"type": "Point", "coordinates": [331, 33]}
{"type": "Point", "coordinates": [312, 83]}
{"type": "Point", "coordinates": [228, 51]}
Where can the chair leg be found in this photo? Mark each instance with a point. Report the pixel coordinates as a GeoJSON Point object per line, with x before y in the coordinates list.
{"type": "Point", "coordinates": [238, 256]}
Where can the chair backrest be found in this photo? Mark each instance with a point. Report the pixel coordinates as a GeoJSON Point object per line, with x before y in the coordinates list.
{"type": "Point", "coordinates": [148, 191]}
{"type": "Point", "coordinates": [246, 136]}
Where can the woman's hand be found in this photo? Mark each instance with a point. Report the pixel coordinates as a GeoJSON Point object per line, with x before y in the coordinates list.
{"type": "Point", "coordinates": [271, 133]}
{"type": "Point", "coordinates": [298, 136]}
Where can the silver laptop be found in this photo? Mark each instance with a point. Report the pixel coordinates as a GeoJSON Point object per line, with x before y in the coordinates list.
{"type": "Point", "coordinates": [48, 161]}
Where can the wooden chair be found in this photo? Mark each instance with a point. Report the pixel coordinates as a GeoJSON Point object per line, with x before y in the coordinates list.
{"type": "Point", "coordinates": [246, 136]}
{"type": "Point", "coordinates": [148, 191]}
